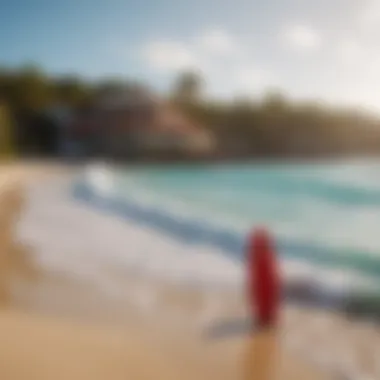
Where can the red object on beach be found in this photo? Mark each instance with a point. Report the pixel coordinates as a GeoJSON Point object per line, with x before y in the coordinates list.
{"type": "Point", "coordinates": [263, 278]}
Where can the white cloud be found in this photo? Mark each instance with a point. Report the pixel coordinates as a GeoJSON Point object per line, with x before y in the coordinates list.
{"type": "Point", "coordinates": [369, 16]}
{"type": "Point", "coordinates": [217, 41]}
{"type": "Point", "coordinates": [233, 74]}
{"type": "Point", "coordinates": [350, 51]}
{"type": "Point", "coordinates": [251, 78]}
{"type": "Point", "coordinates": [359, 47]}
{"type": "Point", "coordinates": [301, 37]}
{"type": "Point", "coordinates": [200, 53]}
{"type": "Point", "coordinates": [170, 55]}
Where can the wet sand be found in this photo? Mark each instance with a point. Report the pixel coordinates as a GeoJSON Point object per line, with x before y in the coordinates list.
{"type": "Point", "coordinates": [54, 327]}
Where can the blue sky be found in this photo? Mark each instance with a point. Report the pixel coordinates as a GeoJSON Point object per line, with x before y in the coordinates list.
{"type": "Point", "coordinates": [326, 49]}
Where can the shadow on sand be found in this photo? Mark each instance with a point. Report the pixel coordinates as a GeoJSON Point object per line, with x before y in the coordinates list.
{"type": "Point", "coordinates": [230, 328]}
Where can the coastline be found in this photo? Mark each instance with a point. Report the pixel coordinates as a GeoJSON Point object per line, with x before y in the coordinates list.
{"type": "Point", "coordinates": [84, 333]}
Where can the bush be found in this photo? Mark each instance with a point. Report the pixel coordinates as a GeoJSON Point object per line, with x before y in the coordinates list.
{"type": "Point", "coordinates": [6, 138]}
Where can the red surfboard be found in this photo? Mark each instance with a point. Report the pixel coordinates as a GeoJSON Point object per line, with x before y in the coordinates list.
{"type": "Point", "coordinates": [263, 278]}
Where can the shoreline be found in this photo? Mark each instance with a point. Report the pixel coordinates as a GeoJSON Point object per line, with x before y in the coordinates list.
{"type": "Point", "coordinates": [164, 337]}
{"type": "Point", "coordinates": [360, 296]}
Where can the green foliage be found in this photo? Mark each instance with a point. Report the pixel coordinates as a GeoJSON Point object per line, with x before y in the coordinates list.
{"type": "Point", "coordinates": [30, 90]}
{"type": "Point", "coordinates": [269, 126]}
{"type": "Point", "coordinates": [106, 85]}
{"type": "Point", "coordinates": [275, 126]}
{"type": "Point", "coordinates": [71, 91]}
{"type": "Point", "coordinates": [6, 138]}
{"type": "Point", "coordinates": [187, 88]}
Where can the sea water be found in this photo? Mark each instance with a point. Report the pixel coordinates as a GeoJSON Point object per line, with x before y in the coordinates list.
{"type": "Point", "coordinates": [324, 214]}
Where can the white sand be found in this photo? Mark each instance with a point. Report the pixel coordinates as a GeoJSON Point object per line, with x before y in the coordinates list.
{"type": "Point", "coordinates": [151, 329]}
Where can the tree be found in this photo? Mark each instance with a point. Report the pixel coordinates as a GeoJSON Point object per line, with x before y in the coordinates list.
{"type": "Point", "coordinates": [31, 90]}
{"type": "Point", "coordinates": [187, 88]}
{"type": "Point", "coordinates": [110, 85]}
{"type": "Point", "coordinates": [274, 102]}
{"type": "Point", "coordinates": [6, 138]}
{"type": "Point", "coordinates": [71, 91]}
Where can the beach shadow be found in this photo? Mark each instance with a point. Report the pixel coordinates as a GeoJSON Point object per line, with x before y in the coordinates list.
{"type": "Point", "coordinates": [230, 328]}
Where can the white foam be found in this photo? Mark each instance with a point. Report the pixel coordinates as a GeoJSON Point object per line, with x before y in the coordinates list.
{"type": "Point", "coordinates": [76, 239]}
{"type": "Point", "coordinates": [73, 238]}
{"type": "Point", "coordinates": [305, 218]}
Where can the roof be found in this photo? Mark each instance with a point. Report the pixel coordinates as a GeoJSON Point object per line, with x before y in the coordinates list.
{"type": "Point", "coordinates": [126, 96]}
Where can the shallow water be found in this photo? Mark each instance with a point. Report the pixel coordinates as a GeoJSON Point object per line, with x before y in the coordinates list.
{"type": "Point", "coordinates": [321, 215]}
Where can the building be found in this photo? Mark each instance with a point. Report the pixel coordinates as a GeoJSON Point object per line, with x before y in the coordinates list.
{"type": "Point", "coordinates": [60, 117]}
{"type": "Point", "coordinates": [133, 122]}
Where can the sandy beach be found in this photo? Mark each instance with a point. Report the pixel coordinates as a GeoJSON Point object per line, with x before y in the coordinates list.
{"type": "Point", "coordinates": [55, 327]}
